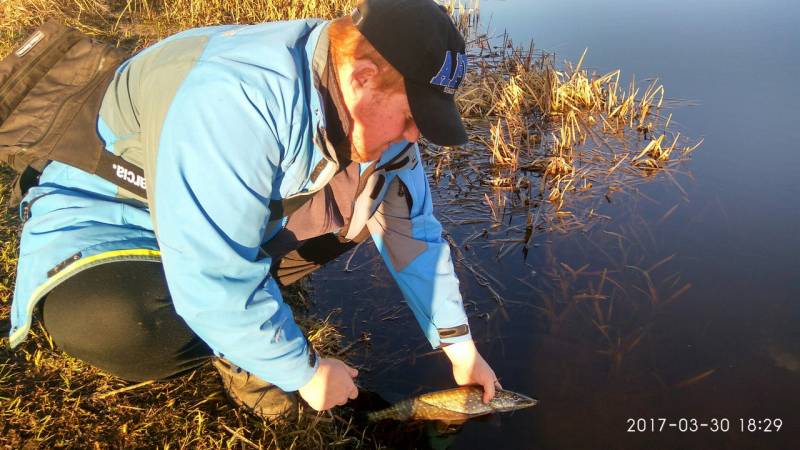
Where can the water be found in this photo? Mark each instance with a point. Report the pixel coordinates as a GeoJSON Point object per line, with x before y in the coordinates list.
{"type": "Point", "coordinates": [728, 347]}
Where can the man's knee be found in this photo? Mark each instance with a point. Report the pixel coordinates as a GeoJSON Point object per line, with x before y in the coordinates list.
{"type": "Point", "coordinates": [119, 317]}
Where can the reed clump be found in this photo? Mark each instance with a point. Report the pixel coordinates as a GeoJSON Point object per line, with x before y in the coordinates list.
{"type": "Point", "coordinates": [575, 134]}
{"type": "Point", "coordinates": [465, 16]}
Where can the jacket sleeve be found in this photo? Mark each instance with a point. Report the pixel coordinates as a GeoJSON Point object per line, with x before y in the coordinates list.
{"type": "Point", "coordinates": [217, 161]}
{"type": "Point", "coordinates": [409, 239]}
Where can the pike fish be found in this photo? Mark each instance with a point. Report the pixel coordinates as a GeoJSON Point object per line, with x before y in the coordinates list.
{"type": "Point", "coordinates": [452, 405]}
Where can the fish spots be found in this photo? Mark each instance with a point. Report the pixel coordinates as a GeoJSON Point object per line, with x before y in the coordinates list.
{"type": "Point", "coordinates": [453, 405]}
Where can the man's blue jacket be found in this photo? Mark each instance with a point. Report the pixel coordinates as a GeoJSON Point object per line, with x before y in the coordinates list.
{"type": "Point", "coordinates": [224, 120]}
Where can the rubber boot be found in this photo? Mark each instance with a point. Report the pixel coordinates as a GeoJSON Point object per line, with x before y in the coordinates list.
{"type": "Point", "coordinates": [260, 397]}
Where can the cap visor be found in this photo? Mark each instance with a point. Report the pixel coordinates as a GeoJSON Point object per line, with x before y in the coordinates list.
{"type": "Point", "coordinates": [436, 115]}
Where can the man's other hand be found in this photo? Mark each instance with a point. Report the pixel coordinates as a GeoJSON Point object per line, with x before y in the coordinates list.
{"type": "Point", "coordinates": [332, 385]}
{"type": "Point", "coordinates": [469, 367]}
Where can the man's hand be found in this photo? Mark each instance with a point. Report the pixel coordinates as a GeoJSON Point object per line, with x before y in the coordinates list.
{"type": "Point", "coordinates": [331, 385]}
{"type": "Point", "coordinates": [469, 367]}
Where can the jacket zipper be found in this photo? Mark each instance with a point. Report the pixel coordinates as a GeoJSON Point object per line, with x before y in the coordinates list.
{"type": "Point", "coordinates": [368, 172]}
{"type": "Point", "coordinates": [26, 210]}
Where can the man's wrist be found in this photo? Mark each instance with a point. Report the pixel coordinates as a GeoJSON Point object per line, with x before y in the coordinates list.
{"type": "Point", "coordinates": [461, 352]}
{"type": "Point", "coordinates": [309, 372]}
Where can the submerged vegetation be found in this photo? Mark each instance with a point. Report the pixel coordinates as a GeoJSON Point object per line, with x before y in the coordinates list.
{"type": "Point", "coordinates": [615, 299]}
{"type": "Point", "coordinates": [546, 144]}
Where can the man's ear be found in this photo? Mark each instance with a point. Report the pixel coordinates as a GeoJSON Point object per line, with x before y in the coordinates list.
{"type": "Point", "coordinates": [364, 71]}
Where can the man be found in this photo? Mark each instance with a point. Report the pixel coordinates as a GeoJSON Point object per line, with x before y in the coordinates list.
{"type": "Point", "coordinates": [267, 150]}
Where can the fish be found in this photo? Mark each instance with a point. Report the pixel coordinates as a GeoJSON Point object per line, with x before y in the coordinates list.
{"type": "Point", "coordinates": [452, 405]}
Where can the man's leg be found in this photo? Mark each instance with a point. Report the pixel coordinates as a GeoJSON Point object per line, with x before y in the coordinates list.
{"type": "Point", "coordinates": [119, 317]}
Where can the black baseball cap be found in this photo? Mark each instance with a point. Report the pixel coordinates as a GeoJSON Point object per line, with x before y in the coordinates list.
{"type": "Point", "coordinates": [419, 39]}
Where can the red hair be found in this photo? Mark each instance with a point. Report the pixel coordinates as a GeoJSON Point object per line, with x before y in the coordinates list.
{"type": "Point", "coordinates": [347, 44]}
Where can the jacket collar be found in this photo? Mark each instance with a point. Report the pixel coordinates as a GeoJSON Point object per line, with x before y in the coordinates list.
{"type": "Point", "coordinates": [316, 54]}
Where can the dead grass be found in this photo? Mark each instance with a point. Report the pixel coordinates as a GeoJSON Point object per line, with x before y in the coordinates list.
{"type": "Point", "coordinates": [8, 242]}
{"type": "Point", "coordinates": [134, 24]}
{"type": "Point", "coordinates": [550, 149]}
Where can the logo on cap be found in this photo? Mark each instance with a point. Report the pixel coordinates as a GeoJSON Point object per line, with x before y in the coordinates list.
{"type": "Point", "coordinates": [450, 75]}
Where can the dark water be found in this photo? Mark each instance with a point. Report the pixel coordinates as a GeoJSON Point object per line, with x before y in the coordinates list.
{"type": "Point", "coordinates": [726, 348]}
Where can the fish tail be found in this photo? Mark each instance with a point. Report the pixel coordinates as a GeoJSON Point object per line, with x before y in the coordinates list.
{"type": "Point", "coordinates": [376, 416]}
{"type": "Point", "coordinates": [400, 411]}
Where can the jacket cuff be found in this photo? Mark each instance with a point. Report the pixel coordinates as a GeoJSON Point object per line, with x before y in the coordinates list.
{"type": "Point", "coordinates": [302, 373]}
{"type": "Point", "coordinates": [452, 335]}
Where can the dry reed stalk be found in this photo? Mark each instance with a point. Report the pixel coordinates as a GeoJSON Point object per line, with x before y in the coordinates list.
{"type": "Point", "coordinates": [502, 137]}
{"type": "Point", "coordinates": [654, 155]}
{"type": "Point", "coordinates": [558, 167]}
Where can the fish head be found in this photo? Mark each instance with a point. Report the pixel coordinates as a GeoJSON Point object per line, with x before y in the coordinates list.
{"type": "Point", "coordinates": [509, 401]}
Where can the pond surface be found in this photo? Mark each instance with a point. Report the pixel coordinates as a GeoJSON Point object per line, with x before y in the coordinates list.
{"type": "Point", "coordinates": [685, 303]}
